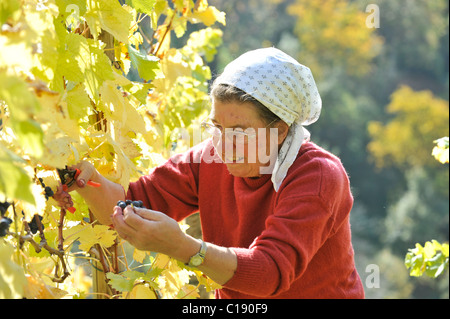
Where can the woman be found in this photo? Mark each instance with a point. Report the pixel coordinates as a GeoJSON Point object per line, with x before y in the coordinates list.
{"type": "Point", "coordinates": [274, 207]}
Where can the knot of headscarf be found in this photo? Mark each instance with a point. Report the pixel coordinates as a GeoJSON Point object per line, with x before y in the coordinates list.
{"type": "Point", "coordinates": [286, 88]}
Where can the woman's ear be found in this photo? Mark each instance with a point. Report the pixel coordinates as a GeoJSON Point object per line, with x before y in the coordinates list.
{"type": "Point", "coordinates": [283, 130]}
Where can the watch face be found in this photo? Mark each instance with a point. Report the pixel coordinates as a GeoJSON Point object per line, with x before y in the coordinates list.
{"type": "Point", "coordinates": [196, 261]}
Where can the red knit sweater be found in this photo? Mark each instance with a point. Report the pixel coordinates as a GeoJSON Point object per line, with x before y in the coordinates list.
{"type": "Point", "coordinates": [294, 243]}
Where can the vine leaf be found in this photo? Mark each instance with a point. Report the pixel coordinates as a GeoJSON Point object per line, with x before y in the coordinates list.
{"type": "Point", "coordinates": [109, 16]}
{"type": "Point", "coordinates": [147, 65]}
{"type": "Point", "coordinates": [91, 235]}
{"type": "Point", "coordinates": [12, 277]}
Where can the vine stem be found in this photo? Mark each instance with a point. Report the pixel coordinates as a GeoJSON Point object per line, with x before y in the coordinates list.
{"type": "Point", "coordinates": [60, 229]}
{"type": "Point", "coordinates": [44, 245]}
{"type": "Point", "coordinates": [169, 27]}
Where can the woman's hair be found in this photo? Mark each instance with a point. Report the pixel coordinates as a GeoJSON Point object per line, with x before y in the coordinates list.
{"type": "Point", "coordinates": [229, 93]}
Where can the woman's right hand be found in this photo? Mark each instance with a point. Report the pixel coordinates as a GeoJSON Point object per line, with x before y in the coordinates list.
{"type": "Point", "coordinates": [99, 193]}
{"type": "Point", "coordinates": [87, 172]}
{"type": "Point", "coordinates": [62, 196]}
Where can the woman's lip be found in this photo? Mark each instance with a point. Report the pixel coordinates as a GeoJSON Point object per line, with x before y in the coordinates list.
{"type": "Point", "coordinates": [234, 161]}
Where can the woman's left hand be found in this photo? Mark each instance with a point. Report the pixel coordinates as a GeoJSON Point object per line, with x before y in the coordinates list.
{"type": "Point", "coordinates": [149, 230]}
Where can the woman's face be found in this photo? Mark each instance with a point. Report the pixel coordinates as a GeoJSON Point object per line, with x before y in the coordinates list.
{"type": "Point", "coordinates": [249, 156]}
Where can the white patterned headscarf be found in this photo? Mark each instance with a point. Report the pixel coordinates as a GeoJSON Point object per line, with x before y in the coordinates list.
{"type": "Point", "coordinates": [286, 88]}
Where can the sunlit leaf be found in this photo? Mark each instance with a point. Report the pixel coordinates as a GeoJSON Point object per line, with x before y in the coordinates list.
{"type": "Point", "coordinates": [109, 16]}
{"type": "Point", "coordinates": [12, 277]}
{"type": "Point", "coordinates": [98, 234]}
{"type": "Point", "coordinates": [147, 65]}
{"type": "Point", "coordinates": [143, 6]}
{"type": "Point", "coordinates": [14, 180]}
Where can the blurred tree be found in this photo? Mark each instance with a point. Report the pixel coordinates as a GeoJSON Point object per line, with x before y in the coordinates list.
{"type": "Point", "coordinates": [420, 214]}
{"type": "Point", "coordinates": [417, 33]}
{"type": "Point", "coordinates": [333, 34]}
{"type": "Point", "coordinates": [418, 117]}
{"type": "Point", "coordinates": [252, 24]}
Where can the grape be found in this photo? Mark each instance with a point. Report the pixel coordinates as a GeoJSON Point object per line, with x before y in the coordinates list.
{"type": "Point", "coordinates": [48, 192]}
{"type": "Point", "coordinates": [4, 207]}
{"type": "Point", "coordinates": [33, 224]}
{"type": "Point", "coordinates": [4, 225]}
{"type": "Point", "coordinates": [138, 203]}
{"type": "Point", "coordinates": [121, 204]}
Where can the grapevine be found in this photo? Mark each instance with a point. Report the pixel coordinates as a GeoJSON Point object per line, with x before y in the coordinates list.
{"type": "Point", "coordinates": [94, 80]}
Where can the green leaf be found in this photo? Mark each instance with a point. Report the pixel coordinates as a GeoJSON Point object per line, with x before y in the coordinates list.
{"type": "Point", "coordinates": [119, 282]}
{"type": "Point", "coordinates": [78, 102]}
{"type": "Point", "coordinates": [92, 65]}
{"type": "Point", "coordinates": [147, 65]}
{"type": "Point", "coordinates": [9, 9]}
{"type": "Point", "coordinates": [109, 16]}
{"type": "Point", "coordinates": [445, 250]}
{"type": "Point", "coordinates": [14, 91]}
{"type": "Point", "coordinates": [205, 42]}
{"type": "Point", "coordinates": [123, 281]}
{"type": "Point", "coordinates": [144, 6]}
{"type": "Point", "coordinates": [22, 105]}
{"type": "Point", "coordinates": [30, 136]}
{"type": "Point", "coordinates": [12, 277]}
{"type": "Point", "coordinates": [68, 7]}
{"type": "Point", "coordinates": [431, 259]}
{"type": "Point", "coordinates": [140, 91]}
{"type": "Point", "coordinates": [14, 180]}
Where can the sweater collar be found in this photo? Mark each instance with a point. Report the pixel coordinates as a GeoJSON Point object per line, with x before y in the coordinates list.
{"type": "Point", "coordinates": [255, 183]}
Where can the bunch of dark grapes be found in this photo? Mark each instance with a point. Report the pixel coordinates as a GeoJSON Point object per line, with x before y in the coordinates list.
{"type": "Point", "coordinates": [4, 221]}
{"type": "Point", "coordinates": [4, 207]}
{"type": "Point", "coordinates": [34, 224]}
{"type": "Point", "coordinates": [135, 203]}
{"type": "Point", "coordinates": [4, 225]}
{"type": "Point", "coordinates": [48, 192]}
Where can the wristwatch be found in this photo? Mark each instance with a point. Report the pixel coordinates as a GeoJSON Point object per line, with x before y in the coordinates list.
{"type": "Point", "coordinates": [199, 257]}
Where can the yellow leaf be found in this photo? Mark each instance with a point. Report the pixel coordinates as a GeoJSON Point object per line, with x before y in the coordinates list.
{"type": "Point", "coordinates": [173, 66]}
{"type": "Point", "coordinates": [12, 277]}
{"type": "Point", "coordinates": [98, 234]}
{"type": "Point", "coordinates": [109, 16]}
{"type": "Point", "coordinates": [139, 255]}
{"type": "Point", "coordinates": [188, 292]}
{"type": "Point", "coordinates": [141, 292]}
{"type": "Point", "coordinates": [37, 289]}
{"type": "Point", "coordinates": [209, 16]}
{"type": "Point", "coordinates": [442, 155]}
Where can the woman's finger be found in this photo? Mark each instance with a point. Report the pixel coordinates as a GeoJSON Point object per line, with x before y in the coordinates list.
{"type": "Point", "coordinates": [150, 214]}
{"type": "Point", "coordinates": [132, 219]}
{"type": "Point", "coordinates": [125, 231]}
{"type": "Point", "coordinates": [86, 172]}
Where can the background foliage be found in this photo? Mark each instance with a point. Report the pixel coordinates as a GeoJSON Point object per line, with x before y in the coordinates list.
{"type": "Point", "coordinates": [385, 98]}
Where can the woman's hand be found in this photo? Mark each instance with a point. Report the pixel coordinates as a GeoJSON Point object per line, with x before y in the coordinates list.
{"type": "Point", "coordinates": [100, 194]}
{"type": "Point", "coordinates": [154, 231]}
{"type": "Point", "coordinates": [62, 196]}
{"type": "Point", "coordinates": [151, 230]}
{"type": "Point", "coordinates": [87, 172]}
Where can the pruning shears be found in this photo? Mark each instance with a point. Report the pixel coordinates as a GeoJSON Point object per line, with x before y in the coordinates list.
{"type": "Point", "coordinates": [68, 177]}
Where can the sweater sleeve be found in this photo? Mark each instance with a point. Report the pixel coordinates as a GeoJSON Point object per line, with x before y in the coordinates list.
{"type": "Point", "coordinates": [171, 188]}
{"type": "Point", "coordinates": [311, 205]}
